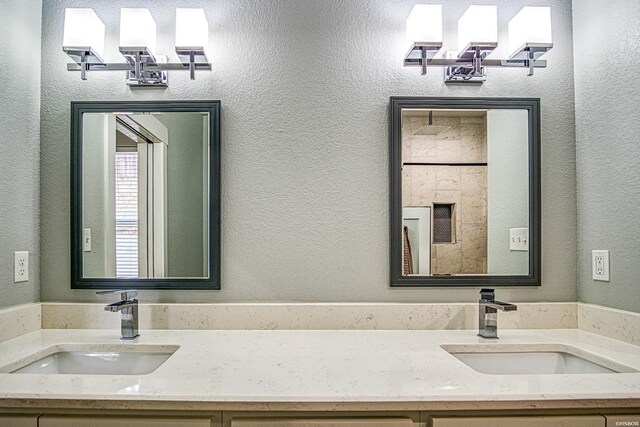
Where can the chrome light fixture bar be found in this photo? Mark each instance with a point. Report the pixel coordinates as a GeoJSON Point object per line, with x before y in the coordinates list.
{"type": "Point", "coordinates": [84, 41]}
{"type": "Point", "coordinates": [529, 39]}
{"type": "Point", "coordinates": [137, 45]}
{"type": "Point", "coordinates": [477, 38]}
{"type": "Point", "coordinates": [471, 60]}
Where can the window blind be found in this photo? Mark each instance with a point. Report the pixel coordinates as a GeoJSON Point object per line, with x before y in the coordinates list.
{"type": "Point", "coordinates": [126, 214]}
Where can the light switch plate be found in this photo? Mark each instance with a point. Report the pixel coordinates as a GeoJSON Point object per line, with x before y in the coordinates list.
{"type": "Point", "coordinates": [86, 239]}
{"type": "Point", "coordinates": [21, 266]}
{"type": "Point", "coordinates": [519, 239]}
{"type": "Point", "coordinates": [600, 265]}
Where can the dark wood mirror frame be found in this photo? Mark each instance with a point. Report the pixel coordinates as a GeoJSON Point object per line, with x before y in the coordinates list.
{"type": "Point", "coordinates": [397, 104]}
{"type": "Point", "coordinates": [211, 282]}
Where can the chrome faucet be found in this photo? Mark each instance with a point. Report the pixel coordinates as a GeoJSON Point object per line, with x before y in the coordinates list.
{"type": "Point", "coordinates": [488, 310]}
{"type": "Point", "coordinates": [128, 307]}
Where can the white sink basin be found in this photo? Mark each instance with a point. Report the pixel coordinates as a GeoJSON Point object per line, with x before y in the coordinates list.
{"type": "Point", "coordinates": [533, 360]}
{"type": "Point", "coordinates": [93, 360]}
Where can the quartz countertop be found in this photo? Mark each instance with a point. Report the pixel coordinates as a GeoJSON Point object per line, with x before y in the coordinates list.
{"type": "Point", "coordinates": [329, 370]}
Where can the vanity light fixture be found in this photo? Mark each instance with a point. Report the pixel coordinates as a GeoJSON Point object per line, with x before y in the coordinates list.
{"type": "Point", "coordinates": [530, 35]}
{"type": "Point", "coordinates": [138, 45]}
{"type": "Point", "coordinates": [477, 38]}
{"type": "Point", "coordinates": [529, 39]}
{"type": "Point", "coordinates": [192, 37]}
{"type": "Point", "coordinates": [83, 38]}
{"type": "Point", "coordinates": [424, 32]}
{"type": "Point", "coordinates": [84, 43]}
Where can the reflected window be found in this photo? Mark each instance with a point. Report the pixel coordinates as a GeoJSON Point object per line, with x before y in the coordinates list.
{"type": "Point", "coordinates": [126, 163]}
{"type": "Point", "coordinates": [145, 195]}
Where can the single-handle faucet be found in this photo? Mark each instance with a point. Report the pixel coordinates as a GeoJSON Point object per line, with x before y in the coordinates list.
{"type": "Point", "coordinates": [128, 307]}
{"type": "Point", "coordinates": [488, 308]}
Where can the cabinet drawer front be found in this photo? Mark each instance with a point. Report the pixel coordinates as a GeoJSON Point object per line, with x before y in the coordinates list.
{"type": "Point", "coordinates": [18, 421]}
{"type": "Point", "coordinates": [327, 422]}
{"type": "Point", "coordinates": [632, 420]}
{"type": "Point", "coordinates": [120, 421]}
{"type": "Point", "coordinates": [568, 421]}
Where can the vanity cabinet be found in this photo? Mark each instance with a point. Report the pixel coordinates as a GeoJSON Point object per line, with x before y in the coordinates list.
{"type": "Point", "coordinates": [520, 421]}
{"type": "Point", "coordinates": [18, 421]}
{"type": "Point", "coordinates": [105, 418]}
{"type": "Point", "coordinates": [326, 422]}
{"type": "Point", "coordinates": [122, 421]}
{"type": "Point", "coordinates": [631, 420]}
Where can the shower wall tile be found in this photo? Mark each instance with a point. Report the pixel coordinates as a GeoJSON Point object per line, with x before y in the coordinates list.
{"type": "Point", "coordinates": [423, 185]}
{"type": "Point", "coordinates": [448, 259]}
{"type": "Point", "coordinates": [423, 149]}
{"type": "Point", "coordinates": [407, 145]}
{"type": "Point", "coordinates": [448, 151]}
{"type": "Point", "coordinates": [474, 241]}
{"type": "Point", "coordinates": [448, 178]}
{"type": "Point", "coordinates": [448, 196]}
{"type": "Point", "coordinates": [406, 186]}
{"type": "Point", "coordinates": [472, 265]}
{"type": "Point", "coordinates": [465, 186]}
{"type": "Point", "coordinates": [453, 133]}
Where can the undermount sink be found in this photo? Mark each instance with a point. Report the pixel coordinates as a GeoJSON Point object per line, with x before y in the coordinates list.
{"type": "Point", "coordinates": [94, 360]}
{"type": "Point", "coordinates": [533, 360]}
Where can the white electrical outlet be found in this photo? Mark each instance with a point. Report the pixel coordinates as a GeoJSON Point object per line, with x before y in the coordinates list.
{"type": "Point", "coordinates": [600, 265]}
{"type": "Point", "coordinates": [519, 239]}
{"type": "Point", "coordinates": [21, 266]}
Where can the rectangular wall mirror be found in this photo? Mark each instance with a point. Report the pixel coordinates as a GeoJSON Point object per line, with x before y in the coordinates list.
{"type": "Point", "coordinates": [145, 195]}
{"type": "Point", "coordinates": [465, 191]}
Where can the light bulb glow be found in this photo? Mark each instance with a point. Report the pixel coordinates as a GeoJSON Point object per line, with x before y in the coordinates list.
{"type": "Point", "coordinates": [424, 24]}
{"type": "Point", "coordinates": [530, 25]}
{"type": "Point", "coordinates": [137, 29]}
{"type": "Point", "coordinates": [192, 29]}
{"type": "Point", "coordinates": [83, 29]}
{"type": "Point", "coordinates": [478, 24]}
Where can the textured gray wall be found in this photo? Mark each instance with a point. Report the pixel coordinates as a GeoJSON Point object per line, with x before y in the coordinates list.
{"type": "Point", "coordinates": [95, 171]}
{"type": "Point", "coordinates": [607, 146]}
{"type": "Point", "coordinates": [507, 183]}
{"type": "Point", "coordinates": [305, 87]}
{"type": "Point", "coordinates": [184, 194]}
{"type": "Point", "coordinates": [20, 22]}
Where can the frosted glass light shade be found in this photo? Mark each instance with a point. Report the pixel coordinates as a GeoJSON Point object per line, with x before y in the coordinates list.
{"type": "Point", "coordinates": [478, 24]}
{"type": "Point", "coordinates": [192, 29]}
{"type": "Point", "coordinates": [530, 25]}
{"type": "Point", "coordinates": [83, 29]}
{"type": "Point", "coordinates": [137, 29]}
{"type": "Point", "coordinates": [424, 24]}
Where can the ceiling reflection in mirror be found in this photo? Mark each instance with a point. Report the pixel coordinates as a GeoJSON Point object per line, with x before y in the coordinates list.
{"type": "Point", "coordinates": [145, 195]}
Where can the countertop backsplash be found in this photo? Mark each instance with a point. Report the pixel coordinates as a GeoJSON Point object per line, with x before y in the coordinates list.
{"type": "Point", "coordinates": [617, 324]}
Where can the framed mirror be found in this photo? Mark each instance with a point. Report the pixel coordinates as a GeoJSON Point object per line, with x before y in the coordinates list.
{"type": "Point", "coordinates": [145, 195]}
{"type": "Point", "coordinates": [465, 191]}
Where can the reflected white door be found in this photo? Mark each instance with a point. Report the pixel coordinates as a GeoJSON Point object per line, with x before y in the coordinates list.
{"type": "Point", "coordinates": [418, 222]}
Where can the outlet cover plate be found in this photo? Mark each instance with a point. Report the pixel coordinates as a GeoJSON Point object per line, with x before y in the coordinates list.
{"type": "Point", "coordinates": [21, 266]}
{"type": "Point", "coordinates": [600, 265]}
